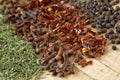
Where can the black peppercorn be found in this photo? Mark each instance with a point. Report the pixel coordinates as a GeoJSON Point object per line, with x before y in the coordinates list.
{"type": "Point", "coordinates": [108, 25]}
{"type": "Point", "coordinates": [118, 17]}
{"type": "Point", "coordinates": [110, 9]}
{"type": "Point", "coordinates": [104, 30]}
{"type": "Point", "coordinates": [114, 47]}
{"type": "Point", "coordinates": [98, 26]}
{"type": "Point", "coordinates": [114, 16]}
{"type": "Point", "coordinates": [106, 35]}
{"type": "Point", "coordinates": [116, 35]}
{"type": "Point", "coordinates": [113, 23]}
{"type": "Point", "coordinates": [113, 41]}
{"type": "Point", "coordinates": [118, 30]}
{"type": "Point", "coordinates": [111, 37]}
{"type": "Point", "coordinates": [104, 24]}
{"type": "Point", "coordinates": [99, 31]}
{"type": "Point", "coordinates": [110, 31]}
{"type": "Point", "coordinates": [106, 19]}
{"type": "Point", "coordinates": [118, 41]}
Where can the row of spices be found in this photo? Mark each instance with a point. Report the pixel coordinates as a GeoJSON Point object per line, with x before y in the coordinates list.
{"type": "Point", "coordinates": [58, 31]}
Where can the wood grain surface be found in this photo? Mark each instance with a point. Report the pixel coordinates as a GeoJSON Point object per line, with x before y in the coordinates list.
{"type": "Point", "coordinates": [105, 68]}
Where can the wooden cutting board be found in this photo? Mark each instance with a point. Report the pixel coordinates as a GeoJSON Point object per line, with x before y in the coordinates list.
{"type": "Point", "coordinates": [105, 68]}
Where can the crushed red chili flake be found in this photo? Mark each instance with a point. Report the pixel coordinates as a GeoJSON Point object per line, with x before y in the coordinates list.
{"type": "Point", "coordinates": [59, 34]}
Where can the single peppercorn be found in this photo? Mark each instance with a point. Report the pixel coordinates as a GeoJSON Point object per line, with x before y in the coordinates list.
{"type": "Point", "coordinates": [104, 30]}
{"type": "Point", "coordinates": [114, 47]}
{"type": "Point", "coordinates": [118, 30]}
{"type": "Point", "coordinates": [113, 41]}
{"type": "Point", "coordinates": [113, 23]}
{"type": "Point", "coordinates": [110, 31]}
{"type": "Point", "coordinates": [103, 24]}
{"type": "Point", "coordinates": [111, 36]}
{"type": "Point", "coordinates": [108, 25]}
{"type": "Point", "coordinates": [118, 41]}
{"type": "Point", "coordinates": [118, 17]}
{"type": "Point", "coordinates": [106, 35]}
{"type": "Point", "coordinates": [115, 35]}
{"type": "Point", "coordinates": [114, 16]}
{"type": "Point", "coordinates": [106, 19]}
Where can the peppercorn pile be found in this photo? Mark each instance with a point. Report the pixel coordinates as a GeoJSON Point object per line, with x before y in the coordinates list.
{"type": "Point", "coordinates": [103, 17]}
{"type": "Point", "coordinates": [58, 32]}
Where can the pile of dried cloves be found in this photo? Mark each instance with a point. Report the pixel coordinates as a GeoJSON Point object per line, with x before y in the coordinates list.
{"type": "Point", "coordinates": [58, 31]}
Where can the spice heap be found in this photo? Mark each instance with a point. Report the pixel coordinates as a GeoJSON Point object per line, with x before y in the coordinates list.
{"type": "Point", "coordinates": [57, 31]}
{"type": "Point", "coordinates": [103, 17]}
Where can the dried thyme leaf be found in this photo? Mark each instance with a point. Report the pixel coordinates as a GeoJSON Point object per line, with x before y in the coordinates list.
{"type": "Point", "coordinates": [18, 60]}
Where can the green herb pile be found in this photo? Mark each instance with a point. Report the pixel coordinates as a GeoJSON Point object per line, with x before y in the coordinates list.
{"type": "Point", "coordinates": [18, 60]}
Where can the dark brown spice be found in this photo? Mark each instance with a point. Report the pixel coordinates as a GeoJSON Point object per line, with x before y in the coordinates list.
{"type": "Point", "coordinates": [114, 47]}
{"type": "Point", "coordinates": [107, 35]}
{"type": "Point", "coordinates": [118, 41]}
{"type": "Point", "coordinates": [118, 30]}
{"type": "Point", "coordinates": [110, 31]}
{"type": "Point", "coordinates": [93, 25]}
{"type": "Point", "coordinates": [113, 41]}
